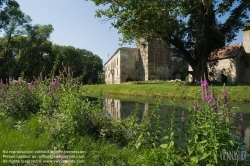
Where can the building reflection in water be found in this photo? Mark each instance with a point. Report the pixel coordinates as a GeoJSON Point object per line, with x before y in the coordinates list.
{"type": "Point", "coordinates": [120, 110]}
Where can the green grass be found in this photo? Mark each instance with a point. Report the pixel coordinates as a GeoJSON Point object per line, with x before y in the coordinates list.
{"type": "Point", "coordinates": [32, 137]}
{"type": "Point", "coordinates": [239, 93]}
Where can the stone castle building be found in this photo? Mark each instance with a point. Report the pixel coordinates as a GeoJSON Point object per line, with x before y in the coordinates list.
{"type": "Point", "coordinates": [146, 62]}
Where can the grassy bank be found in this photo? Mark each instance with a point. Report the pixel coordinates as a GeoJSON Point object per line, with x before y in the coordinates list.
{"type": "Point", "coordinates": [238, 93]}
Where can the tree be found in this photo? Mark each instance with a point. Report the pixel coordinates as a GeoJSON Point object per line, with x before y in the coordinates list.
{"type": "Point", "coordinates": [12, 22]}
{"type": "Point", "coordinates": [83, 63]}
{"type": "Point", "coordinates": [192, 27]}
{"type": "Point", "coordinates": [32, 50]}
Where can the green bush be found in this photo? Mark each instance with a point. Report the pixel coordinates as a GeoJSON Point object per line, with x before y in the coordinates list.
{"type": "Point", "coordinates": [19, 100]}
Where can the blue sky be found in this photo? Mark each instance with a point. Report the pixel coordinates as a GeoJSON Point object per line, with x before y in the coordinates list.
{"type": "Point", "coordinates": [75, 24]}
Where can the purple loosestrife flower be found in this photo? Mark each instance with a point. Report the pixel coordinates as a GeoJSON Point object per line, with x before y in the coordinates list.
{"type": "Point", "coordinates": [227, 105]}
{"type": "Point", "coordinates": [242, 133]}
{"type": "Point", "coordinates": [57, 83]}
{"type": "Point", "coordinates": [212, 96]}
{"type": "Point", "coordinates": [224, 93]}
{"type": "Point", "coordinates": [204, 86]}
{"type": "Point", "coordinates": [52, 86]}
{"type": "Point", "coordinates": [241, 118]}
{"type": "Point", "coordinates": [182, 119]}
{"type": "Point", "coordinates": [29, 86]}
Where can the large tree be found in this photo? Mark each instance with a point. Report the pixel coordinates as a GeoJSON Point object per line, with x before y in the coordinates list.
{"type": "Point", "coordinates": [192, 27]}
{"type": "Point", "coordinates": [12, 23]}
{"type": "Point", "coordinates": [83, 63]}
{"type": "Point", "coordinates": [32, 49]}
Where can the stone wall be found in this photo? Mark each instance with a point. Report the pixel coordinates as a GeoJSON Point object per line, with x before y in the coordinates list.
{"type": "Point", "coordinates": [246, 39]}
{"type": "Point", "coordinates": [129, 64]}
{"type": "Point", "coordinates": [122, 66]}
{"type": "Point", "coordinates": [158, 61]}
{"type": "Point", "coordinates": [227, 67]}
{"type": "Point", "coordinates": [143, 60]}
{"type": "Point", "coordinates": [236, 69]}
{"type": "Point", "coordinates": [112, 69]}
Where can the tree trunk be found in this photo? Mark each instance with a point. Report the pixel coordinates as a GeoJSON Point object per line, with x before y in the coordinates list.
{"type": "Point", "coordinates": [200, 71]}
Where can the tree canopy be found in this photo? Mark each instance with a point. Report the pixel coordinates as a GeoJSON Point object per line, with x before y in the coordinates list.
{"type": "Point", "coordinates": [192, 27]}
{"type": "Point", "coordinates": [26, 51]}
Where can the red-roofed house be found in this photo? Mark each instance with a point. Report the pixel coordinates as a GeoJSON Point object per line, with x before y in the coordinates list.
{"type": "Point", "coordinates": [232, 63]}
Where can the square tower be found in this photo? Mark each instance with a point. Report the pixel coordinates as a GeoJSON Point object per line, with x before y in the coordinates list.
{"type": "Point", "coordinates": [246, 38]}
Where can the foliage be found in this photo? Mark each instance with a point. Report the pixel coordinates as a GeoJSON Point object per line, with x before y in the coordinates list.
{"type": "Point", "coordinates": [19, 100]}
{"type": "Point", "coordinates": [191, 28]}
{"type": "Point", "coordinates": [207, 130]}
{"type": "Point", "coordinates": [64, 119]}
{"type": "Point", "coordinates": [25, 50]}
{"type": "Point", "coordinates": [83, 63]}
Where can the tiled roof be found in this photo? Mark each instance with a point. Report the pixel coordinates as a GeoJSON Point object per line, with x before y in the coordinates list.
{"type": "Point", "coordinates": [226, 52]}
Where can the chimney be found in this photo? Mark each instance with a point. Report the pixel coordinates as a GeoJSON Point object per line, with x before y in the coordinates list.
{"type": "Point", "coordinates": [246, 37]}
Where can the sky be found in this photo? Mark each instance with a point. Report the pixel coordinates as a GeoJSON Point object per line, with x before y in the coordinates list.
{"type": "Point", "coordinates": [75, 25]}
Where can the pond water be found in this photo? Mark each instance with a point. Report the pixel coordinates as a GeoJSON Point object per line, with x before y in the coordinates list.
{"type": "Point", "coordinates": [121, 108]}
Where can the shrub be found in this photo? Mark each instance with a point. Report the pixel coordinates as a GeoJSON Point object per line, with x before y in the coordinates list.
{"type": "Point", "coordinates": [19, 99]}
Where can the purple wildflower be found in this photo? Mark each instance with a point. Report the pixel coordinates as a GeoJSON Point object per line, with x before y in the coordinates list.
{"type": "Point", "coordinates": [204, 86]}
{"type": "Point", "coordinates": [241, 118]}
{"type": "Point", "coordinates": [57, 83]}
{"type": "Point", "coordinates": [242, 133]}
{"type": "Point", "coordinates": [227, 105]}
{"type": "Point", "coordinates": [224, 93]}
{"type": "Point", "coordinates": [29, 86]}
{"type": "Point", "coordinates": [182, 119]}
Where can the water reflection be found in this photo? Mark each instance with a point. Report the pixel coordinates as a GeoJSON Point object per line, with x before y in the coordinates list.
{"type": "Point", "coordinates": [120, 110]}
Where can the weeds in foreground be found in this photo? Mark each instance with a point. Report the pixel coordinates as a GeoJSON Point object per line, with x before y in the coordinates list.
{"type": "Point", "coordinates": [63, 119]}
